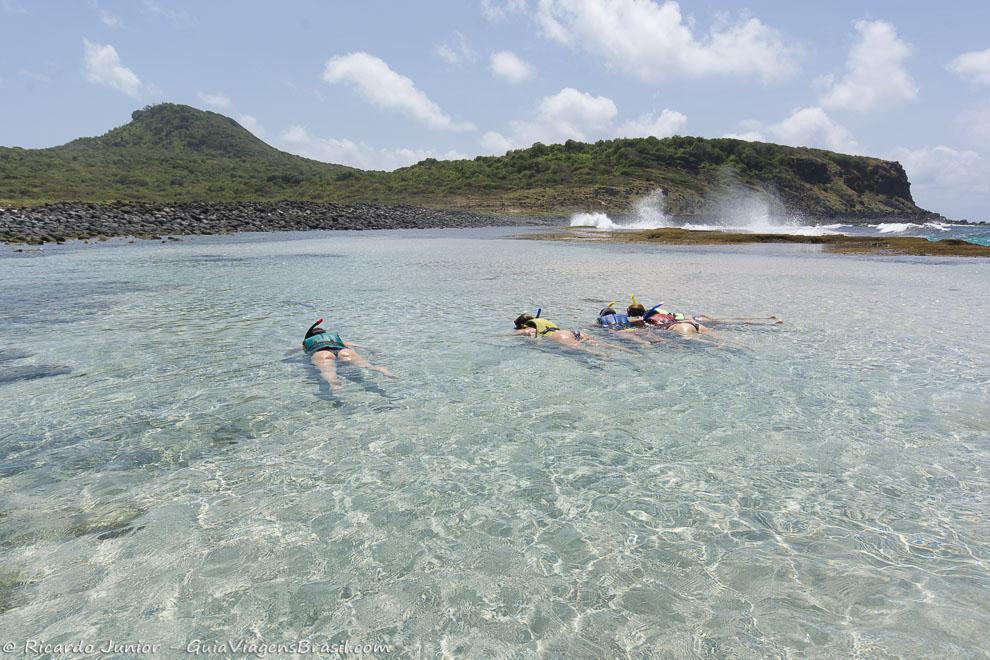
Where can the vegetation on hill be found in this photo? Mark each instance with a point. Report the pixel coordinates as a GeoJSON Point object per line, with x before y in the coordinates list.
{"type": "Point", "coordinates": [166, 153]}
{"type": "Point", "coordinates": [177, 153]}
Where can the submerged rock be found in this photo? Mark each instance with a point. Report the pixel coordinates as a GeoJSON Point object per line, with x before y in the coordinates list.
{"type": "Point", "coordinates": [30, 372]}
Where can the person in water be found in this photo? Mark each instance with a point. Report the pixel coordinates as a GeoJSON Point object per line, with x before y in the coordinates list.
{"type": "Point", "coordinates": [539, 328]}
{"type": "Point", "coordinates": [660, 318]}
{"type": "Point", "coordinates": [656, 316]}
{"type": "Point", "coordinates": [326, 348]}
{"type": "Point", "coordinates": [629, 326]}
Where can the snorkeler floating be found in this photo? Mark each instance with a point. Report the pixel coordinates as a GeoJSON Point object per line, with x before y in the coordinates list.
{"type": "Point", "coordinates": [630, 326]}
{"type": "Point", "coordinates": [326, 348]}
{"type": "Point", "coordinates": [537, 328]}
{"type": "Point", "coordinates": [638, 318]}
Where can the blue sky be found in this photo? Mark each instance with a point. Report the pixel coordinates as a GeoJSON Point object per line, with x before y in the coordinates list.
{"type": "Point", "coordinates": [381, 84]}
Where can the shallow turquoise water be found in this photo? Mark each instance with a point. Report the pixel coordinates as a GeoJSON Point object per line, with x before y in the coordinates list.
{"type": "Point", "coordinates": [814, 489]}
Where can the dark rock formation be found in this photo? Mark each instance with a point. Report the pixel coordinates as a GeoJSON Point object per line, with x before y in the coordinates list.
{"type": "Point", "coordinates": [55, 223]}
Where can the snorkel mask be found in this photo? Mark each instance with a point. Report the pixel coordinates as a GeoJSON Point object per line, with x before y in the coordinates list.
{"type": "Point", "coordinates": [522, 319]}
{"type": "Point", "coordinates": [635, 309]}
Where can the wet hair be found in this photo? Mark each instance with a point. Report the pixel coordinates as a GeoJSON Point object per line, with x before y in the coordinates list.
{"type": "Point", "coordinates": [521, 320]}
{"type": "Point", "coordinates": [606, 312]}
{"type": "Point", "coordinates": [636, 310]}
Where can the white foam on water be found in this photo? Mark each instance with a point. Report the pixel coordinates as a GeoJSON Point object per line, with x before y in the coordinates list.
{"type": "Point", "coordinates": [595, 220]}
{"type": "Point", "coordinates": [740, 210]}
{"type": "Point", "coordinates": [648, 214]}
{"type": "Point", "coordinates": [744, 210]}
{"type": "Point", "coordinates": [894, 227]}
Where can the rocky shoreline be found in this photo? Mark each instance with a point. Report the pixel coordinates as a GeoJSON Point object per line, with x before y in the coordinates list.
{"type": "Point", "coordinates": [56, 223]}
{"type": "Point", "coordinates": [841, 243]}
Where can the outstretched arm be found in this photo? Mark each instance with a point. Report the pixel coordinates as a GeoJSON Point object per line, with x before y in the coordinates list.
{"type": "Point", "coordinates": [742, 320]}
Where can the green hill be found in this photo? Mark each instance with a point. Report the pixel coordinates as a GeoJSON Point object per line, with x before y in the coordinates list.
{"type": "Point", "coordinates": [172, 152]}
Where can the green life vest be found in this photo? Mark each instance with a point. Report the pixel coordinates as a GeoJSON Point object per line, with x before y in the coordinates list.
{"type": "Point", "coordinates": [330, 340]}
{"type": "Point", "coordinates": [542, 326]}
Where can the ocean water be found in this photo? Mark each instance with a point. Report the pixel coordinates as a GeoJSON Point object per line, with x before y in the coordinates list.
{"type": "Point", "coordinates": [168, 474]}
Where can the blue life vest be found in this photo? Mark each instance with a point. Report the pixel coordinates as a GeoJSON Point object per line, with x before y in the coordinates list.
{"type": "Point", "coordinates": [614, 321]}
{"type": "Point", "coordinates": [329, 340]}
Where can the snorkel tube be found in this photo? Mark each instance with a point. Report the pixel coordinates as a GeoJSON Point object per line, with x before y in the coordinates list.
{"type": "Point", "coordinates": [313, 327]}
{"type": "Point", "coordinates": [652, 310]}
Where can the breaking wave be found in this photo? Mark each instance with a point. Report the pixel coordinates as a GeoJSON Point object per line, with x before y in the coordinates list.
{"type": "Point", "coordinates": [648, 213]}
{"type": "Point", "coordinates": [745, 210]}
{"type": "Point", "coordinates": [738, 210]}
{"type": "Point", "coordinates": [898, 227]}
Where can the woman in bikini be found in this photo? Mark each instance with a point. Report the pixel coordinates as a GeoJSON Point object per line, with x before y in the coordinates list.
{"type": "Point", "coordinates": [539, 328]}
{"type": "Point", "coordinates": [326, 348]}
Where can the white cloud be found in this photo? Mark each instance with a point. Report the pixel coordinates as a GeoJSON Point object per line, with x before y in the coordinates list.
{"type": "Point", "coordinates": [385, 88]}
{"type": "Point", "coordinates": [458, 51]}
{"type": "Point", "coordinates": [974, 66]}
{"type": "Point", "coordinates": [667, 123]}
{"type": "Point", "coordinates": [571, 114]}
{"type": "Point", "coordinates": [297, 140]}
{"type": "Point", "coordinates": [945, 179]}
{"type": "Point", "coordinates": [875, 77]}
{"type": "Point", "coordinates": [101, 65]}
{"type": "Point", "coordinates": [805, 127]}
{"type": "Point", "coordinates": [495, 143]}
{"type": "Point", "coordinates": [252, 124]}
{"type": "Point", "coordinates": [218, 100]}
{"type": "Point", "coordinates": [496, 10]}
{"type": "Point", "coordinates": [568, 114]}
{"type": "Point", "coordinates": [943, 168]}
{"type": "Point", "coordinates": [509, 66]}
{"type": "Point", "coordinates": [651, 41]}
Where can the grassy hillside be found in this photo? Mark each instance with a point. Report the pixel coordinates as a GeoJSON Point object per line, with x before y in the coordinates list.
{"type": "Point", "coordinates": [166, 153]}
{"type": "Point", "coordinates": [177, 153]}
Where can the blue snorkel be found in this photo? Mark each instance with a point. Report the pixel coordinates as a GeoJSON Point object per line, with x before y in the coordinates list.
{"type": "Point", "coordinates": [539, 311]}
{"type": "Point", "coordinates": [652, 310]}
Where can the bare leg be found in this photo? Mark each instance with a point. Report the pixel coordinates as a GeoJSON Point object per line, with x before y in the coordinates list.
{"type": "Point", "coordinates": [325, 362]}
{"type": "Point", "coordinates": [624, 349]}
{"type": "Point", "coordinates": [567, 338]}
{"type": "Point", "coordinates": [634, 337]}
{"type": "Point", "coordinates": [353, 357]}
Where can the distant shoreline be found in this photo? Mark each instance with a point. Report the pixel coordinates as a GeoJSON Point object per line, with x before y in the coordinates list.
{"type": "Point", "coordinates": [88, 221]}
{"type": "Point", "coordinates": [840, 243]}
{"type": "Point", "coordinates": [60, 222]}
